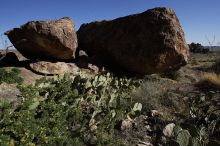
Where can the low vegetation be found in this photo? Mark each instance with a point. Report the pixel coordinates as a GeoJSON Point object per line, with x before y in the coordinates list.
{"type": "Point", "coordinates": [174, 75]}
{"type": "Point", "coordinates": [104, 110]}
{"type": "Point", "coordinates": [202, 128]}
{"type": "Point", "coordinates": [216, 67]}
{"type": "Point", "coordinates": [69, 110]}
{"type": "Point", "coordinates": [10, 76]}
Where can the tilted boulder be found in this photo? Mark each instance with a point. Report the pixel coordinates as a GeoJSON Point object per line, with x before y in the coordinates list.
{"type": "Point", "coordinates": [54, 39]}
{"type": "Point", "coordinates": [145, 43]}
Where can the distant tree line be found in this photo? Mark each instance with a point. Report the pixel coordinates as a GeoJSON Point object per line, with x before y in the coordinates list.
{"type": "Point", "coordinates": [198, 48]}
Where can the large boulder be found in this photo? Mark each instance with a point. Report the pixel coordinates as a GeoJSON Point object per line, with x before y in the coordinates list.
{"type": "Point", "coordinates": [145, 43]}
{"type": "Point", "coordinates": [54, 39]}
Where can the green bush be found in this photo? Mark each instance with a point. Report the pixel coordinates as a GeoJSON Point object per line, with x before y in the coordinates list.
{"type": "Point", "coordinates": [203, 128]}
{"type": "Point", "coordinates": [11, 76]}
{"type": "Point", "coordinates": [192, 137]}
{"type": "Point", "coordinates": [69, 110]}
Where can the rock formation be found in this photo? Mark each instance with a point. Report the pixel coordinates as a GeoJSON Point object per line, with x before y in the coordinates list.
{"type": "Point", "coordinates": [49, 68]}
{"type": "Point", "coordinates": [54, 39]}
{"type": "Point", "coordinates": [145, 43]}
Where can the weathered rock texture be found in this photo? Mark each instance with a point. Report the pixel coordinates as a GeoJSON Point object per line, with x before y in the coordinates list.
{"type": "Point", "coordinates": [54, 39]}
{"type": "Point", "coordinates": [51, 68]}
{"type": "Point", "coordinates": [150, 42]}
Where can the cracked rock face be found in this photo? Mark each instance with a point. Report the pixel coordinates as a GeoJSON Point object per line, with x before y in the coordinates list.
{"type": "Point", "coordinates": [55, 39]}
{"type": "Point", "coordinates": [145, 43]}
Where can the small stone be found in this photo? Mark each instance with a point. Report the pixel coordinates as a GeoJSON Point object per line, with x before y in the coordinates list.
{"type": "Point", "coordinates": [82, 53]}
{"type": "Point", "coordinates": [93, 128]}
{"type": "Point", "coordinates": [185, 98]}
{"type": "Point", "coordinates": [142, 143]}
{"type": "Point", "coordinates": [202, 98]}
{"type": "Point", "coordinates": [147, 138]}
{"type": "Point", "coordinates": [93, 68]}
{"type": "Point", "coordinates": [168, 130]}
{"type": "Point", "coordinates": [148, 128]}
{"type": "Point", "coordinates": [126, 125]}
{"type": "Point", "coordinates": [213, 92]}
{"type": "Point", "coordinates": [155, 113]}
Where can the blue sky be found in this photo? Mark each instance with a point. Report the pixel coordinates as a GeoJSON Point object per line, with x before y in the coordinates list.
{"type": "Point", "coordinates": [199, 18]}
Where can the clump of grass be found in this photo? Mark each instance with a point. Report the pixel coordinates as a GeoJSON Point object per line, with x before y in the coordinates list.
{"type": "Point", "coordinates": [210, 80]}
{"type": "Point", "coordinates": [158, 94]}
{"type": "Point", "coordinates": [193, 61]}
{"type": "Point", "coordinates": [216, 67]}
{"type": "Point", "coordinates": [10, 76]}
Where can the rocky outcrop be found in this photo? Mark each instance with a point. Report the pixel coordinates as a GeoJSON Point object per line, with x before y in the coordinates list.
{"type": "Point", "coordinates": [51, 68]}
{"type": "Point", "coordinates": [150, 42]}
{"type": "Point", "coordinates": [54, 39]}
{"type": "Point", "coordinates": [60, 68]}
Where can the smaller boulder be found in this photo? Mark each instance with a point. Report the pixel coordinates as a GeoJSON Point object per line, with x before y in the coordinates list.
{"type": "Point", "coordinates": [168, 130]}
{"type": "Point", "coordinates": [82, 60]}
{"type": "Point", "coordinates": [9, 58]}
{"type": "Point", "coordinates": [52, 68]}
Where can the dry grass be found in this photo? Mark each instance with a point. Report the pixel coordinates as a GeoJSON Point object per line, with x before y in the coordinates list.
{"type": "Point", "coordinates": [203, 61]}
{"type": "Point", "coordinates": [159, 94]}
{"type": "Point", "coordinates": [210, 80]}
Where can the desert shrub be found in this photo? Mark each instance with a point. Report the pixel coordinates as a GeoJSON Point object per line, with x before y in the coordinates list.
{"type": "Point", "coordinates": [209, 81]}
{"type": "Point", "coordinates": [68, 110]}
{"type": "Point", "coordinates": [198, 48]}
{"type": "Point", "coordinates": [10, 76]}
{"type": "Point", "coordinates": [192, 136]}
{"type": "Point", "coordinates": [203, 126]}
{"type": "Point", "coordinates": [193, 61]}
{"type": "Point", "coordinates": [148, 94]}
{"type": "Point", "coordinates": [159, 94]}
